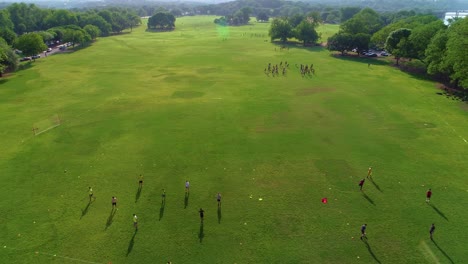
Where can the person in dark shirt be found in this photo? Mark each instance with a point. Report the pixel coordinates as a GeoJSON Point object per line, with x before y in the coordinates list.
{"type": "Point", "coordinates": [202, 214]}
{"type": "Point", "coordinates": [431, 231]}
{"type": "Point", "coordinates": [363, 231]}
{"type": "Point", "coordinates": [361, 183]}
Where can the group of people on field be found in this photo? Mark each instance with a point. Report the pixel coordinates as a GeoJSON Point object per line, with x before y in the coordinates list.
{"type": "Point", "coordinates": [364, 226]}
{"type": "Point", "coordinates": [274, 70]}
{"type": "Point", "coordinates": [163, 196]}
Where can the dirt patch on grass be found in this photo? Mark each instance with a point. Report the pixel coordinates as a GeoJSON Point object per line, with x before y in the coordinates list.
{"type": "Point", "coordinates": [276, 122]}
{"type": "Point", "coordinates": [310, 91]}
{"type": "Point", "coordinates": [464, 106]}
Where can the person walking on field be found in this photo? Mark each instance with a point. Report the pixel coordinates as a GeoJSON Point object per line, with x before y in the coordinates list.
{"type": "Point", "coordinates": [202, 214]}
{"type": "Point", "coordinates": [428, 195]}
{"type": "Point", "coordinates": [135, 221]}
{"type": "Point", "coordinates": [140, 181]}
{"type": "Point", "coordinates": [361, 183]}
{"type": "Point", "coordinates": [431, 231]}
{"type": "Point", "coordinates": [363, 231]}
{"type": "Point", "coordinates": [369, 173]}
{"type": "Point", "coordinates": [218, 198]}
{"type": "Point", "coordinates": [91, 194]}
{"type": "Point", "coordinates": [187, 186]}
{"type": "Point", "coordinates": [114, 202]}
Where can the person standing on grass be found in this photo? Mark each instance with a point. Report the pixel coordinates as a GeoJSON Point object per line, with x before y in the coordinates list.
{"type": "Point", "coordinates": [361, 183]}
{"type": "Point", "coordinates": [187, 186]}
{"type": "Point", "coordinates": [428, 195]}
{"type": "Point", "coordinates": [114, 202]}
{"type": "Point", "coordinates": [91, 194]}
{"type": "Point", "coordinates": [369, 173]}
{"type": "Point", "coordinates": [431, 231]}
{"type": "Point", "coordinates": [218, 198]}
{"type": "Point", "coordinates": [202, 214]}
{"type": "Point", "coordinates": [135, 221]}
{"type": "Point", "coordinates": [140, 182]}
{"type": "Point", "coordinates": [163, 195]}
{"type": "Point", "coordinates": [363, 231]}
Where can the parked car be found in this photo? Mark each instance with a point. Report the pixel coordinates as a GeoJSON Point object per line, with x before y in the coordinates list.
{"type": "Point", "coordinates": [36, 56]}
{"type": "Point", "coordinates": [49, 49]}
{"type": "Point", "coordinates": [371, 54]}
{"type": "Point", "coordinates": [383, 53]}
{"type": "Point", "coordinates": [25, 59]}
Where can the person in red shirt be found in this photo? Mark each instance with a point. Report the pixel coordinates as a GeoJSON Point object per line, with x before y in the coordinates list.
{"type": "Point", "coordinates": [361, 183]}
{"type": "Point", "coordinates": [428, 195]}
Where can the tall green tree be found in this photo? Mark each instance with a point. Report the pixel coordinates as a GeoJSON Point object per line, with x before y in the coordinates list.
{"type": "Point", "coordinates": [162, 20]}
{"type": "Point", "coordinates": [60, 18]}
{"type": "Point", "coordinates": [366, 21]}
{"type": "Point", "coordinates": [5, 21]}
{"type": "Point", "coordinates": [436, 53]}
{"type": "Point", "coordinates": [93, 31]}
{"type": "Point", "coordinates": [280, 29]}
{"type": "Point", "coordinates": [348, 12]}
{"type": "Point", "coordinates": [30, 44]}
{"type": "Point", "coordinates": [8, 35]}
{"type": "Point", "coordinates": [457, 55]}
{"type": "Point", "coordinates": [263, 16]}
{"type": "Point", "coordinates": [8, 59]}
{"type": "Point", "coordinates": [306, 32]}
{"type": "Point", "coordinates": [341, 42]}
{"type": "Point", "coordinates": [398, 44]}
{"type": "Point", "coordinates": [421, 37]}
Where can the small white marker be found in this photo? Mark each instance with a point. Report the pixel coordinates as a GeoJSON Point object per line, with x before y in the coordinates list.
{"type": "Point", "coordinates": [329, 188]}
{"type": "Point", "coordinates": [34, 222]}
{"type": "Point", "coordinates": [4, 246]}
{"type": "Point", "coordinates": [260, 199]}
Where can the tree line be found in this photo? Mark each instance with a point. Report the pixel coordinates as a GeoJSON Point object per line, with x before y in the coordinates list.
{"type": "Point", "coordinates": [300, 27]}
{"type": "Point", "coordinates": [441, 48]}
{"type": "Point", "coordinates": [28, 28]}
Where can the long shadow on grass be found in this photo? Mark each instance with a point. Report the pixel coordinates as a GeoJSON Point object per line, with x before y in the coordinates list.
{"type": "Point", "coordinates": [186, 199]}
{"type": "Point", "coordinates": [438, 211]}
{"type": "Point", "coordinates": [364, 60]}
{"type": "Point", "coordinates": [138, 194]}
{"type": "Point", "coordinates": [85, 210]}
{"type": "Point", "coordinates": [371, 252]}
{"type": "Point", "coordinates": [111, 217]}
{"type": "Point", "coordinates": [368, 199]}
{"type": "Point", "coordinates": [131, 243]}
{"type": "Point", "coordinates": [219, 214]}
{"type": "Point", "coordinates": [161, 210]}
{"type": "Point", "coordinates": [376, 185]}
{"type": "Point", "coordinates": [200, 233]}
{"type": "Point", "coordinates": [443, 252]}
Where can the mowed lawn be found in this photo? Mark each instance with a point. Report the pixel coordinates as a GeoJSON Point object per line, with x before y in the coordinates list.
{"type": "Point", "coordinates": [194, 104]}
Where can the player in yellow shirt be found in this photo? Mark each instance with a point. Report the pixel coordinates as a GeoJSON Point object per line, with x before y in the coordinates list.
{"type": "Point", "coordinates": [369, 173]}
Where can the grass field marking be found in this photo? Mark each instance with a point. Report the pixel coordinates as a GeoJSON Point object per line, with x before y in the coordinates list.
{"type": "Point", "coordinates": [57, 256]}
{"type": "Point", "coordinates": [428, 252]}
{"type": "Point", "coordinates": [454, 131]}
{"type": "Point", "coordinates": [47, 129]}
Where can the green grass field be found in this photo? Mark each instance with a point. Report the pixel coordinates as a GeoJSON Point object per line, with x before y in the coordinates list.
{"type": "Point", "coordinates": [194, 104]}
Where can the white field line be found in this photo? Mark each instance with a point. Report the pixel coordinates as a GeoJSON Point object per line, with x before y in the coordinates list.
{"type": "Point", "coordinates": [68, 258]}
{"type": "Point", "coordinates": [428, 252]}
{"type": "Point", "coordinates": [47, 129]}
{"type": "Point", "coordinates": [57, 256]}
{"type": "Point", "coordinates": [454, 131]}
